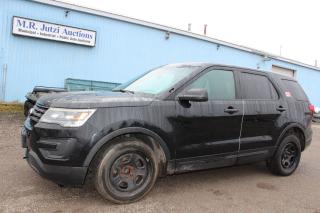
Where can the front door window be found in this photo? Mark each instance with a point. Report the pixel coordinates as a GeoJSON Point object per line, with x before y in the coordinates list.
{"type": "Point", "coordinates": [219, 84]}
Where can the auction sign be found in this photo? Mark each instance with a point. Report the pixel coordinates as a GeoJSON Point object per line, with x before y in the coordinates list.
{"type": "Point", "coordinates": [56, 32]}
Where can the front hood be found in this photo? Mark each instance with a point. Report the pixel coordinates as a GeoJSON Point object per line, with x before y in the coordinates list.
{"type": "Point", "coordinates": [94, 99]}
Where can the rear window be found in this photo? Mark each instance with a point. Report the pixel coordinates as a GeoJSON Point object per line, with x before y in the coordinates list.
{"type": "Point", "coordinates": [255, 86]}
{"type": "Point", "coordinates": [294, 90]}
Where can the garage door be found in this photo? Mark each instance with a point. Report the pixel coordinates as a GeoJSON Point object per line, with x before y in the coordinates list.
{"type": "Point", "coordinates": [283, 71]}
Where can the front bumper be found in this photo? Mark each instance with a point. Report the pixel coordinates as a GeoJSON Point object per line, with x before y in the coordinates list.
{"type": "Point", "coordinates": [63, 175]}
{"type": "Point", "coordinates": [56, 154]}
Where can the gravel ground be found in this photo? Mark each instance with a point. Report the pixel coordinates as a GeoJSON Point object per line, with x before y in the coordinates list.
{"type": "Point", "coordinates": [249, 188]}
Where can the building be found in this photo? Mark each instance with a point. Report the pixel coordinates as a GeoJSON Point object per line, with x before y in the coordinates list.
{"type": "Point", "coordinates": [44, 42]}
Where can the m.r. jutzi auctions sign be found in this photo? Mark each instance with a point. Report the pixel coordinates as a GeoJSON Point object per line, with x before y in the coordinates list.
{"type": "Point", "coordinates": [45, 30]}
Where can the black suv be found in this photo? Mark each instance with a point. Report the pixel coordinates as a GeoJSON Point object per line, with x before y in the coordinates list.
{"type": "Point", "coordinates": [175, 118]}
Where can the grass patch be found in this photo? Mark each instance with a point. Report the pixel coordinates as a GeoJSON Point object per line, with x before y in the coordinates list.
{"type": "Point", "coordinates": [11, 107]}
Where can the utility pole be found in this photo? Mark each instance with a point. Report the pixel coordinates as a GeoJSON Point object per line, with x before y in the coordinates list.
{"type": "Point", "coordinates": [205, 29]}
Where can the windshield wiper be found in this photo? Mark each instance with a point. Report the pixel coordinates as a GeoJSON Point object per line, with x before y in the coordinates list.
{"type": "Point", "coordinates": [123, 91]}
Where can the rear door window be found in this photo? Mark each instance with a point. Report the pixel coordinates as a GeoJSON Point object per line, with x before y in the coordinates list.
{"type": "Point", "coordinates": [254, 86]}
{"type": "Point", "coordinates": [294, 90]}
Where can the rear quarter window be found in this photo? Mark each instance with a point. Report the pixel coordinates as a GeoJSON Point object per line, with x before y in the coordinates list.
{"type": "Point", "coordinates": [294, 89]}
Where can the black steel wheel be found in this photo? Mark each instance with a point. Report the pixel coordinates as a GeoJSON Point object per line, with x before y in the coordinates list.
{"type": "Point", "coordinates": [287, 156]}
{"type": "Point", "coordinates": [126, 171]}
{"type": "Point", "coordinates": [129, 172]}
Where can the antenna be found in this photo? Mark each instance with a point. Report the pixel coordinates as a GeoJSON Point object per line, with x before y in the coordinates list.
{"type": "Point", "coordinates": [189, 27]}
{"type": "Point", "coordinates": [205, 29]}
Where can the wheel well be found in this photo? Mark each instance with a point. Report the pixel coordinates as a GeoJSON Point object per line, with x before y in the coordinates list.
{"type": "Point", "coordinates": [155, 146]}
{"type": "Point", "coordinates": [299, 133]}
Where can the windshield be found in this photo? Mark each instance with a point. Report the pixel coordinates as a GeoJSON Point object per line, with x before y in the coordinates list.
{"type": "Point", "coordinates": [160, 79]}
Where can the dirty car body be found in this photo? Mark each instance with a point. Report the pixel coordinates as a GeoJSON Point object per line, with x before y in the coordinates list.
{"type": "Point", "coordinates": [193, 131]}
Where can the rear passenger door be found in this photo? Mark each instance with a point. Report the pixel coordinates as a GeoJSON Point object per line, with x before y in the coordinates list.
{"type": "Point", "coordinates": [262, 111]}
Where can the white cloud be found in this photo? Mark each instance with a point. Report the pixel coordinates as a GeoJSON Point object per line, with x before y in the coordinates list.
{"type": "Point", "coordinates": [264, 25]}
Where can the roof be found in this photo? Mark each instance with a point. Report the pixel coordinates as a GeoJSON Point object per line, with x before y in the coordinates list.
{"type": "Point", "coordinates": [171, 30]}
{"type": "Point", "coordinates": [204, 65]}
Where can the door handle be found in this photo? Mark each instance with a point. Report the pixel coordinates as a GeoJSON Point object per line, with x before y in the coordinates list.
{"type": "Point", "coordinates": [231, 110]}
{"type": "Point", "coordinates": [281, 109]}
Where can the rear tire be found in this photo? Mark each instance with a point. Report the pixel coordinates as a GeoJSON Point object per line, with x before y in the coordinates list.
{"type": "Point", "coordinates": [126, 171]}
{"type": "Point", "coordinates": [287, 157]}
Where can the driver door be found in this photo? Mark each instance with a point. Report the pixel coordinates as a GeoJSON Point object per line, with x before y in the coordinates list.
{"type": "Point", "coordinates": [208, 132]}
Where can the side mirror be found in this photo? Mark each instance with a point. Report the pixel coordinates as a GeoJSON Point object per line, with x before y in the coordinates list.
{"type": "Point", "coordinates": [195, 95]}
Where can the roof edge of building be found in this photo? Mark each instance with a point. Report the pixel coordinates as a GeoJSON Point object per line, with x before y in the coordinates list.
{"type": "Point", "coordinates": [170, 29]}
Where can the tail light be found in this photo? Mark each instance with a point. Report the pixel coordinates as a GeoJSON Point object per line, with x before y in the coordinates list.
{"type": "Point", "coordinates": [311, 108]}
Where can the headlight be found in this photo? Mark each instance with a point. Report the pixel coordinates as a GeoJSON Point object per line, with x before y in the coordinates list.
{"type": "Point", "coordinates": [31, 111]}
{"type": "Point", "coordinates": [67, 117]}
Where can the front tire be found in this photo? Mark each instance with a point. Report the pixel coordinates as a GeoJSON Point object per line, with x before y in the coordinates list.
{"type": "Point", "coordinates": [287, 157]}
{"type": "Point", "coordinates": [126, 171]}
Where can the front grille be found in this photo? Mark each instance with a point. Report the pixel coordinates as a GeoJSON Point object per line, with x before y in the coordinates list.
{"type": "Point", "coordinates": [37, 112]}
